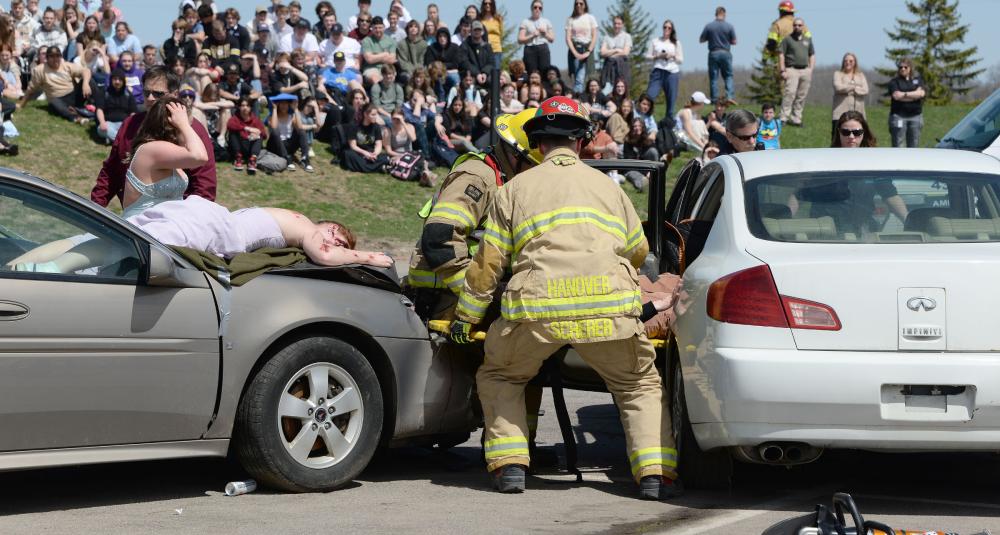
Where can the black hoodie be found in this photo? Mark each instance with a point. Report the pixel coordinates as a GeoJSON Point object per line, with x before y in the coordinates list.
{"type": "Point", "coordinates": [452, 55]}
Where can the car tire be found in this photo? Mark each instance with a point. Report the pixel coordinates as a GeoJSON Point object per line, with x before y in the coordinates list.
{"type": "Point", "coordinates": [697, 469]}
{"type": "Point", "coordinates": [290, 437]}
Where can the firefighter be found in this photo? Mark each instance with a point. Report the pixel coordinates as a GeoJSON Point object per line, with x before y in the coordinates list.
{"type": "Point", "coordinates": [454, 220]}
{"type": "Point", "coordinates": [573, 242]}
{"type": "Point", "coordinates": [782, 27]}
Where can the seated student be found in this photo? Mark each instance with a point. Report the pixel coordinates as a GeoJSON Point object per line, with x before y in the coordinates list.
{"type": "Point", "coordinates": [387, 95]}
{"type": "Point", "coordinates": [133, 76]}
{"type": "Point", "coordinates": [398, 139]}
{"type": "Point", "coordinates": [469, 93]}
{"type": "Point", "coordinates": [338, 79]}
{"type": "Point", "coordinates": [66, 85]}
{"type": "Point", "coordinates": [233, 87]}
{"type": "Point", "coordinates": [197, 223]}
{"type": "Point", "coordinates": [285, 133]}
{"type": "Point", "coordinates": [245, 136]}
{"type": "Point", "coordinates": [113, 106]}
{"type": "Point", "coordinates": [458, 124]}
{"type": "Point", "coordinates": [363, 153]}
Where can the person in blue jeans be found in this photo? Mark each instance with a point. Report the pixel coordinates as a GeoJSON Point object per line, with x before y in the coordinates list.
{"type": "Point", "coordinates": [667, 55]}
{"type": "Point", "coordinates": [581, 37]}
{"type": "Point", "coordinates": [720, 35]}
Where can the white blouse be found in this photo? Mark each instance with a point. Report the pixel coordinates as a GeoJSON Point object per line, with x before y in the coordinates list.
{"type": "Point", "coordinates": [658, 46]}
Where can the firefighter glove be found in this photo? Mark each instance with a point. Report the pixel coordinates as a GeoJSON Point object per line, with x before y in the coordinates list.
{"type": "Point", "coordinates": [461, 332]}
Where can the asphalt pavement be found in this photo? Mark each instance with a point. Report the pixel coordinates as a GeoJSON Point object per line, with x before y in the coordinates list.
{"type": "Point", "coordinates": [418, 490]}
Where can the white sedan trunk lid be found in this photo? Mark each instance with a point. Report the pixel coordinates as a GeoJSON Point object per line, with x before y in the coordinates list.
{"type": "Point", "coordinates": [894, 297]}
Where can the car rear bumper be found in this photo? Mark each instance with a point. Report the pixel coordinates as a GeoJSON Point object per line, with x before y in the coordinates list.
{"type": "Point", "coordinates": [845, 399]}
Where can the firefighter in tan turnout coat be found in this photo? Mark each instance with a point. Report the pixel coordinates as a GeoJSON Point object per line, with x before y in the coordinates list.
{"type": "Point", "coordinates": [453, 222]}
{"type": "Point", "coordinates": [573, 241]}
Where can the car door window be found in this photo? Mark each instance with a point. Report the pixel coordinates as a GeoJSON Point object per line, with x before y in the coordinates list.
{"type": "Point", "coordinates": [709, 198]}
{"type": "Point", "coordinates": [44, 237]}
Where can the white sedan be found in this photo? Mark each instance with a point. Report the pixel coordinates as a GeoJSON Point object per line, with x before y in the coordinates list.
{"type": "Point", "coordinates": [835, 298]}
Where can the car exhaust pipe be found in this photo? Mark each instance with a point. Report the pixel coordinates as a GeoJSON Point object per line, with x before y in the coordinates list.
{"type": "Point", "coordinates": [793, 454]}
{"type": "Point", "coordinates": [771, 453]}
{"type": "Point", "coordinates": [778, 453]}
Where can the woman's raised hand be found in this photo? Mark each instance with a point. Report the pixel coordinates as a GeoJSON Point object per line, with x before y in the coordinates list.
{"type": "Point", "coordinates": [178, 115]}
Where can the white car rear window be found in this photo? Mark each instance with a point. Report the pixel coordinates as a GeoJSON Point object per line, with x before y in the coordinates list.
{"type": "Point", "coordinates": [866, 208]}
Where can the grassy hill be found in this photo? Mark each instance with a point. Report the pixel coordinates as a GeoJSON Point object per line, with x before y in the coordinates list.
{"type": "Point", "coordinates": [380, 209]}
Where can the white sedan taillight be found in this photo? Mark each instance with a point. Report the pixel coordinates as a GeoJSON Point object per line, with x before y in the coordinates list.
{"type": "Point", "coordinates": [750, 297]}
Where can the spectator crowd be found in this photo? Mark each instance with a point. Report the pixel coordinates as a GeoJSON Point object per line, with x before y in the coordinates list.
{"type": "Point", "coordinates": [389, 92]}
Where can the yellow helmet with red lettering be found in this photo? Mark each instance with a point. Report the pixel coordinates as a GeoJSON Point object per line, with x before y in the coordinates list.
{"type": "Point", "coordinates": [510, 128]}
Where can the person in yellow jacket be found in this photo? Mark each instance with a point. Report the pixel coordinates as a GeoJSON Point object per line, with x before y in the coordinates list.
{"type": "Point", "coordinates": [782, 27]}
{"type": "Point", "coordinates": [454, 219]}
{"type": "Point", "coordinates": [573, 241]}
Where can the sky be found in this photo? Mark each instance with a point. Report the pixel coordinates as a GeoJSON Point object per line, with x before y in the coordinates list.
{"type": "Point", "coordinates": [838, 26]}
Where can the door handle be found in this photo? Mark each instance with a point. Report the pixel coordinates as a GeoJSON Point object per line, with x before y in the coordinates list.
{"type": "Point", "coordinates": [10, 311]}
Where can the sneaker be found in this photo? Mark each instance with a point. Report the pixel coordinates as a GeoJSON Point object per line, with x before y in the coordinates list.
{"type": "Point", "coordinates": [82, 121]}
{"type": "Point", "coordinates": [509, 479]}
{"type": "Point", "coordinates": [13, 149]}
{"type": "Point", "coordinates": [658, 488]}
{"type": "Point", "coordinates": [252, 166]}
{"type": "Point", "coordinates": [617, 177]}
{"type": "Point", "coordinates": [308, 167]}
{"type": "Point", "coordinates": [238, 163]}
{"type": "Point", "coordinates": [291, 167]}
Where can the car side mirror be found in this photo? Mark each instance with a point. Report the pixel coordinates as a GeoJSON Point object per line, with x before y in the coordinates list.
{"type": "Point", "coordinates": [165, 272]}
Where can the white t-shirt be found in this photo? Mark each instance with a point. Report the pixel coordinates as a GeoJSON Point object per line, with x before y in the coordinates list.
{"type": "Point", "coordinates": [539, 26]}
{"type": "Point", "coordinates": [580, 28]}
{"type": "Point", "coordinates": [287, 43]}
{"type": "Point", "coordinates": [350, 47]}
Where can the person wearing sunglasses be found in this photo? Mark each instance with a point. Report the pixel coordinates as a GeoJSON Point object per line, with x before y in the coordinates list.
{"type": "Point", "coordinates": [157, 83]}
{"type": "Point", "coordinates": [535, 33]}
{"type": "Point", "coordinates": [741, 132]}
{"type": "Point", "coordinates": [796, 59]}
{"type": "Point", "coordinates": [906, 110]}
{"type": "Point", "coordinates": [851, 203]}
{"type": "Point", "coordinates": [364, 12]}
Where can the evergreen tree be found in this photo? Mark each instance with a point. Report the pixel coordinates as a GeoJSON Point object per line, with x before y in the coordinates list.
{"type": "Point", "coordinates": [932, 41]}
{"type": "Point", "coordinates": [765, 81]}
{"type": "Point", "coordinates": [508, 39]}
{"type": "Point", "coordinates": [638, 24]}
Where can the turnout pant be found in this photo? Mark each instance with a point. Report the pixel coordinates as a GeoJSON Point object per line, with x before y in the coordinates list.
{"type": "Point", "coordinates": [515, 353]}
{"type": "Point", "coordinates": [793, 97]}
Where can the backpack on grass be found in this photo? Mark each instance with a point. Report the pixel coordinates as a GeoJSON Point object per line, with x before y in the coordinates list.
{"type": "Point", "coordinates": [407, 167]}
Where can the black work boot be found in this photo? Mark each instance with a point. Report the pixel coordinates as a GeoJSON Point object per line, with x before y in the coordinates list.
{"type": "Point", "coordinates": [658, 488]}
{"type": "Point", "coordinates": [509, 478]}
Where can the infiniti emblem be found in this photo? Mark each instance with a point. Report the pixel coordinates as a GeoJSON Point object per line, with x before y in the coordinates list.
{"type": "Point", "coordinates": [917, 303]}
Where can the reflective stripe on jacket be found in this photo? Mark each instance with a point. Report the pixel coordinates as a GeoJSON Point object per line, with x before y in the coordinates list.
{"type": "Point", "coordinates": [460, 205]}
{"type": "Point", "coordinates": [573, 242]}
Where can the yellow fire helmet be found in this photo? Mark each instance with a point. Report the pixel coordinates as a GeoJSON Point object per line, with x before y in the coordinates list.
{"type": "Point", "coordinates": [510, 128]}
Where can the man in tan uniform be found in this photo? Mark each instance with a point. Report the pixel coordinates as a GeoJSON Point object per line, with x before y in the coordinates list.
{"type": "Point", "coordinates": [454, 220]}
{"type": "Point", "coordinates": [573, 242]}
